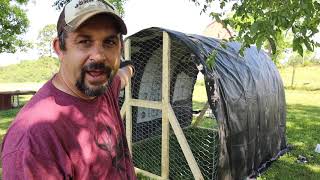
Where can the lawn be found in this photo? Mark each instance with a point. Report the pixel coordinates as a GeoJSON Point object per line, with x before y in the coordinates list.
{"type": "Point", "coordinates": [306, 78]}
{"type": "Point", "coordinates": [303, 124]}
{"type": "Point", "coordinates": [303, 128]}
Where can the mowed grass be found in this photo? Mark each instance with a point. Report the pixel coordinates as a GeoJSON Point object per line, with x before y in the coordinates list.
{"type": "Point", "coordinates": [303, 127]}
{"type": "Point", "coordinates": [303, 124]}
{"type": "Point", "coordinates": [306, 78]}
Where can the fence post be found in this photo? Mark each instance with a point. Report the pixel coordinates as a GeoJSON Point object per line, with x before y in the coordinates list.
{"type": "Point", "coordinates": [165, 105]}
{"type": "Point", "coordinates": [128, 112]}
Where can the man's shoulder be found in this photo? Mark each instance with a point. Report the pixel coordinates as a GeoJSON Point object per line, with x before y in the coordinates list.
{"type": "Point", "coordinates": [22, 132]}
{"type": "Point", "coordinates": [38, 108]}
{"type": "Point", "coordinates": [34, 118]}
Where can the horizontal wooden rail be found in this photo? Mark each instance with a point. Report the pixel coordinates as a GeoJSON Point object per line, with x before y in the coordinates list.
{"type": "Point", "coordinates": [18, 92]}
{"type": "Point", "coordinates": [145, 104]}
{"type": "Point", "coordinates": [146, 173]}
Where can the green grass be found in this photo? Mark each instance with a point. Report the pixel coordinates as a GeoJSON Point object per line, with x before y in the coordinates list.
{"type": "Point", "coordinates": [306, 78]}
{"type": "Point", "coordinates": [303, 124]}
{"type": "Point", "coordinates": [5, 120]}
{"type": "Point", "coordinates": [203, 143]}
{"type": "Point", "coordinates": [303, 133]}
{"type": "Point", "coordinates": [303, 127]}
{"type": "Point", "coordinates": [6, 116]}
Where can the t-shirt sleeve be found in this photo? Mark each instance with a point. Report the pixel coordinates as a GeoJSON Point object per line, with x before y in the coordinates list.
{"type": "Point", "coordinates": [116, 85]}
{"type": "Point", "coordinates": [27, 165]}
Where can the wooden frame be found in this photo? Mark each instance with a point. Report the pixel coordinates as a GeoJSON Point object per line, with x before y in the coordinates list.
{"type": "Point", "coordinates": [7, 97]}
{"type": "Point", "coordinates": [168, 117]}
{"type": "Point", "coordinates": [200, 116]}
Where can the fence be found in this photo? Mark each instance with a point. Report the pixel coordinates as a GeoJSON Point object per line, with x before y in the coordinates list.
{"type": "Point", "coordinates": [171, 130]}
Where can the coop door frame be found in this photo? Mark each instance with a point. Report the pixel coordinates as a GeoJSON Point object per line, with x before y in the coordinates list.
{"type": "Point", "coordinates": [168, 116]}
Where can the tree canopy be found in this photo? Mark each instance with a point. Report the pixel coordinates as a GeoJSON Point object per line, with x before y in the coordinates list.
{"type": "Point", "coordinates": [13, 23]}
{"type": "Point", "coordinates": [45, 37]}
{"type": "Point", "coordinates": [264, 21]}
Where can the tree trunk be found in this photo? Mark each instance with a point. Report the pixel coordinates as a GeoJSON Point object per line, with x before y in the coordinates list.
{"type": "Point", "coordinates": [293, 73]}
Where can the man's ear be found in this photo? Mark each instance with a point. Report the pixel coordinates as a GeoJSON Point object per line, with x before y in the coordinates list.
{"type": "Point", "coordinates": [56, 48]}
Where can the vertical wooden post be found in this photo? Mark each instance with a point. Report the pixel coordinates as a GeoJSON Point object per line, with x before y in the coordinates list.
{"type": "Point", "coordinates": [128, 96]}
{"type": "Point", "coordinates": [165, 106]}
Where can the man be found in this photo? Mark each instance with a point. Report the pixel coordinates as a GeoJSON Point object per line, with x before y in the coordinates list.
{"type": "Point", "coordinates": [71, 129]}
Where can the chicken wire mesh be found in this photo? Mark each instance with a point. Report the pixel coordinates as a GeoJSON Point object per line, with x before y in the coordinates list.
{"type": "Point", "coordinates": [187, 98]}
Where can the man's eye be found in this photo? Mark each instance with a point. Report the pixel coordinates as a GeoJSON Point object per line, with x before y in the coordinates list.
{"type": "Point", "coordinates": [84, 42]}
{"type": "Point", "coordinates": [109, 42]}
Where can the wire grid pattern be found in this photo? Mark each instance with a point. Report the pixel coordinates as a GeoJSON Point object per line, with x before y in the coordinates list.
{"type": "Point", "coordinates": [146, 55]}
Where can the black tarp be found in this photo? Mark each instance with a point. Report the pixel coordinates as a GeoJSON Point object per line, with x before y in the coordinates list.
{"type": "Point", "coordinates": [246, 95]}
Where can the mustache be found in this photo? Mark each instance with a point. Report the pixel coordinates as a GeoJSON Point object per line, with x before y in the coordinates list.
{"type": "Point", "coordinates": [97, 66]}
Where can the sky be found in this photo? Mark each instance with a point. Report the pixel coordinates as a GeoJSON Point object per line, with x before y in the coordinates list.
{"type": "Point", "coordinates": [179, 15]}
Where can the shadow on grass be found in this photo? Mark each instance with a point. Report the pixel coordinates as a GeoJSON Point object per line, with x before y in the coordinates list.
{"type": "Point", "coordinates": [198, 105]}
{"type": "Point", "coordinates": [288, 169]}
{"type": "Point", "coordinates": [208, 121]}
{"type": "Point", "coordinates": [203, 143]}
{"type": "Point", "coordinates": [6, 117]}
{"type": "Point", "coordinates": [303, 127]}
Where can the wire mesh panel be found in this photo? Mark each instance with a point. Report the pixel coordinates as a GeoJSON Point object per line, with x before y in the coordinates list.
{"type": "Point", "coordinates": [187, 97]}
{"type": "Point", "coordinates": [147, 152]}
{"type": "Point", "coordinates": [146, 85]}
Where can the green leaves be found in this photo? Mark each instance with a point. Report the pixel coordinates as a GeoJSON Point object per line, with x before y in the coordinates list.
{"type": "Point", "coordinates": [272, 45]}
{"type": "Point", "coordinates": [45, 37]}
{"type": "Point", "coordinates": [260, 41]}
{"type": "Point", "coordinates": [13, 23]}
{"type": "Point", "coordinates": [212, 59]}
{"type": "Point", "coordinates": [297, 46]}
{"type": "Point", "coordinates": [268, 23]}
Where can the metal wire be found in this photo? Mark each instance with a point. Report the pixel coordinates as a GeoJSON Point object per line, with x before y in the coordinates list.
{"type": "Point", "coordinates": [187, 98]}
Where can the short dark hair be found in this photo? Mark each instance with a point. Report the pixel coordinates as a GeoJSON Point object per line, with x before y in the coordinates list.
{"type": "Point", "coordinates": [62, 40]}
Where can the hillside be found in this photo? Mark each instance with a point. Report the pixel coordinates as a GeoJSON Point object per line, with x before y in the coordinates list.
{"type": "Point", "coordinates": [30, 71]}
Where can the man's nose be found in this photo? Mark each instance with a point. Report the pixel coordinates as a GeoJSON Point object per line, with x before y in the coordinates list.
{"type": "Point", "coordinates": [98, 54]}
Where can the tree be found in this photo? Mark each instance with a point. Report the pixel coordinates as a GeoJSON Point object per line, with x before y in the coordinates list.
{"type": "Point", "coordinates": [117, 3]}
{"type": "Point", "coordinates": [283, 43]}
{"type": "Point", "coordinates": [45, 36]}
{"type": "Point", "coordinates": [264, 21]}
{"type": "Point", "coordinates": [296, 60]}
{"type": "Point", "coordinates": [13, 23]}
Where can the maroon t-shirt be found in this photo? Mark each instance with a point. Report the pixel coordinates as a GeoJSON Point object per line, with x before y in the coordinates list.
{"type": "Point", "coordinates": [59, 136]}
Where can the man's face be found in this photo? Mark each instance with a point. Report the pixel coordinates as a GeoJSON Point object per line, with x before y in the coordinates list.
{"type": "Point", "coordinates": [92, 55]}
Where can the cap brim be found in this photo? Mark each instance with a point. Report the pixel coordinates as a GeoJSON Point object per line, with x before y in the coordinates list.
{"type": "Point", "coordinates": [74, 25]}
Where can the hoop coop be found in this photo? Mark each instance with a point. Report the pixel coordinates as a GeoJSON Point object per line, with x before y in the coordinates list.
{"type": "Point", "coordinates": [178, 123]}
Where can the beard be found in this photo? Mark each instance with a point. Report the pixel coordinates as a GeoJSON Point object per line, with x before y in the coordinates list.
{"type": "Point", "coordinates": [98, 90]}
